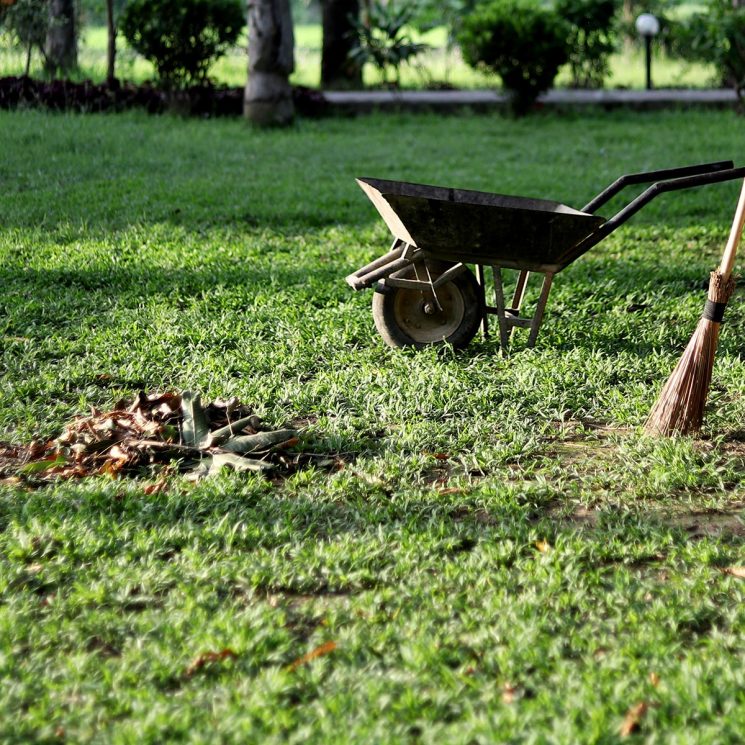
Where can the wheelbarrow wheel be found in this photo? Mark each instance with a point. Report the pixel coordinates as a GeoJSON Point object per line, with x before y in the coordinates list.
{"type": "Point", "coordinates": [411, 318]}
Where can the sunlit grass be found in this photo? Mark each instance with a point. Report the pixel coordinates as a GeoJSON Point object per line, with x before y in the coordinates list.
{"type": "Point", "coordinates": [502, 555]}
{"type": "Point", "coordinates": [441, 64]}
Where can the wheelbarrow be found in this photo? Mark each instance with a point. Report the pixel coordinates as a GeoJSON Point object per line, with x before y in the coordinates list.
{"type": "Point", "coordinates": [426, 294]}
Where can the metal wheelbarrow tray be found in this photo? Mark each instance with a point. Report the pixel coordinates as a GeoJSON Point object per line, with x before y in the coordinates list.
{"type": "Point", "coordinates": [425, 293]}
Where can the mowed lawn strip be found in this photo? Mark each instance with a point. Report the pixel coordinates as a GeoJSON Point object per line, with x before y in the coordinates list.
{"type": "Point", "coordinates": [503, 555]}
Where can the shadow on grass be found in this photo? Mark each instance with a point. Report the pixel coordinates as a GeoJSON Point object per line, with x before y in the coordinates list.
{"type": "Point", "coordinates": [227, 518]}
{"type": "Point", "coordinates": [586, 317]}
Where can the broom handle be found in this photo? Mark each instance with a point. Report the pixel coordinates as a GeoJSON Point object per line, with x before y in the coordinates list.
{"type": "Point", "coordinates": [728, 259]}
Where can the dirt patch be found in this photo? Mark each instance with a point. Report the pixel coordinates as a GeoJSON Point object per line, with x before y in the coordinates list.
{"type": "Point", "coordinates": [697, 523]}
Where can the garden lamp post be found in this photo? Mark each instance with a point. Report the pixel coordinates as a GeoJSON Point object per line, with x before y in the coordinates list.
{"type": "Point", "coordinates": [648, 26]}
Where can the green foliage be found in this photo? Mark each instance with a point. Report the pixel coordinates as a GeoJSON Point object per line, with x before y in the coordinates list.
{"type": "Point", "coordinates": [433, 13]}
{"type": "Point", "coordinates": [716, 36]}
{"type": "Point", "coordinates": [182, 37]}
{"type": "Point", "coordinates": [93, 12]}
{"type": "Point", "coordinates": [524, 43]}
{"type": "Point", "coordinates": [383, 38]}
{"type": "Point", "coordinates": [591, 38]}
{"type": "Point", "coordinates": [27, 23]}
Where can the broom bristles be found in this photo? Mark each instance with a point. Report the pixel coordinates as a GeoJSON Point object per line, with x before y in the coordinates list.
{"type": "Point", "coordinates": [680, 406]}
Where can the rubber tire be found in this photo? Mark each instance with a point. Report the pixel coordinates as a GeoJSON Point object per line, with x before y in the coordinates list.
{"type": "Point", "coordinates": [464, 285]}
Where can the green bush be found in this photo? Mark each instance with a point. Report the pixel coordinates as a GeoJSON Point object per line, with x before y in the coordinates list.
{"type": "Point", "coordinates": [182, 37]}
{"type": "Point", "coordinates": [591, 38]}
{"type": "Point", "coordinates": [524, 43]}
{"type": "Point", "coordinates": [718, 37]}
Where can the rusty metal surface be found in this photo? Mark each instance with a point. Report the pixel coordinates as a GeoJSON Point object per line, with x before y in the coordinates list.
{"type": "Point", "coordinates": [479, 227]}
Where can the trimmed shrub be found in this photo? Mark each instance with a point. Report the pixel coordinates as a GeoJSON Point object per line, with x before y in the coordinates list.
{"type": "Point", "coordinates": [591, 38]}
{"type": "Point", "coordinates": [182, 38]}
{"type": "Point", "coordinates": [521, 41]}
{"type": "Point", "coordinates": [717, 36]}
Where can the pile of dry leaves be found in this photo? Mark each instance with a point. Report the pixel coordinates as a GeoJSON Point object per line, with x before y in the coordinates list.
{"type": "Point", "coordinates": [163, 428]}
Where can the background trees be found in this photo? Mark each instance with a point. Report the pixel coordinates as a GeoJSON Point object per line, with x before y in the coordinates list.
{"type": "Point", "coordinates": [271, 59]}
{"type": "Point", "coordinates": [61, 44]}
{"type": "Point", "coordinates": [338, 70]}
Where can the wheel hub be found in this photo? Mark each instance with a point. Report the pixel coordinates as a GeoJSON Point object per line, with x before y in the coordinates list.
{"type": "Point", "coordinates": [418, 316]}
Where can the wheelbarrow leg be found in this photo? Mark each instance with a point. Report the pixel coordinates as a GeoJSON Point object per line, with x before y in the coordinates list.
{"type": "Point", "coordinates": [519, 294]}
{"type": "Point", "coordinates": [504, 329]}
{"type": "Point", "coordinates": [481, 278]}
{"type": "Point", "coordinates": [517, 297]}
{"type": "Point", "coordinates": [535, 324]}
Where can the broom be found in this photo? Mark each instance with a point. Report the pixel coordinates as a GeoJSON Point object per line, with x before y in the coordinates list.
{"type": "Point", "coordinates": [680, 406]}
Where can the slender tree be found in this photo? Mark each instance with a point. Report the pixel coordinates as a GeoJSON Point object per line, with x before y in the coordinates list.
{"type": "Point", "coordinates": [111, 46]}
{"type": "Point", "coordinates": [62, 43]}
{"type": "Point", "coordinates": [337, 69]}
{"type": "Point", "coordinates": [268, 97]}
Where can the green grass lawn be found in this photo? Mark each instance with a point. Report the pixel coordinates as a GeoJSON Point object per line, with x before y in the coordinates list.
{"type": "Point", "coordinates": [440, 64]}
{"type": "Point", "coordinates": [503, 557]}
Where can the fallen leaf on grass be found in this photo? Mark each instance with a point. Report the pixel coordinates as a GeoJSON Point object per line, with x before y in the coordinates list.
{"type": "Point", "coordinates": [509, 693]}
{"type": "Point", "coordinates": [324, 649]}
{"type": "Point", "coordinates": [213, 464]}
{"type": "Point", "coordinates": [654, 679]}
{"type": "Point", "coordinates": [208, 657]}
{"type": "Point", "coordinates": [40, 466]}
{"type": "Point", "coordinates": [633, 718]}
{"type": "Point", "coordinates": [157, 487]}
{"type": "Point", "coordinates": [219, 436]}
{"type": "Point", "coordinates": [543, 546]}
{"type": "Point", "coordinates": [738, 572]}
{"type": "Point", "coordinates": [259, 441]}
{"type": "Point", "coordinates": [155, 430]}
{"type": "Point", "coordinates": [194, 427]}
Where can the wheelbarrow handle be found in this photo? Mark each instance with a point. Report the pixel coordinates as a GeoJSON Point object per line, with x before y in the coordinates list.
{"type": "Point", "coordinates": [647, 177]}
{"type": "Point", "coordinates": [687, 182]}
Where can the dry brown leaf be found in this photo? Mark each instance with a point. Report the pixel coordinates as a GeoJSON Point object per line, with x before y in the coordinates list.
{"type": "Point", "coordinates": [111, 467]}
{"type": "Point", "coordinates": [157, 487]}
{"type": "Point", "coordinates": [633, 718]}
{"type": "Point", "coordinates": [323, 649]}
{"type": "Point", "coordinates": [654, 679]}
{"type": "Point", "coordinates": [450, 490]}
{"type": "Point", "coordinates": [738, 572]}
{"type": "Point", "coordinates": [440, 456]}
{"type": "Point", "coordinates": [287, 444]}
{"type": "Point", "coordinates": [208, 657]}
{"type": "Point", "coordinates": [543, 546]}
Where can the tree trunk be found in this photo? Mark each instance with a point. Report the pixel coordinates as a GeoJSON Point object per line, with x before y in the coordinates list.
{"type": "Point", "coordinates": [268, 98]}
{"type": "Point", "coordinates": [337, 70]}
{"type": "Point", "coordinates": [61, 47]}
{"type": "Point", "coordinates": [111, 46]}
